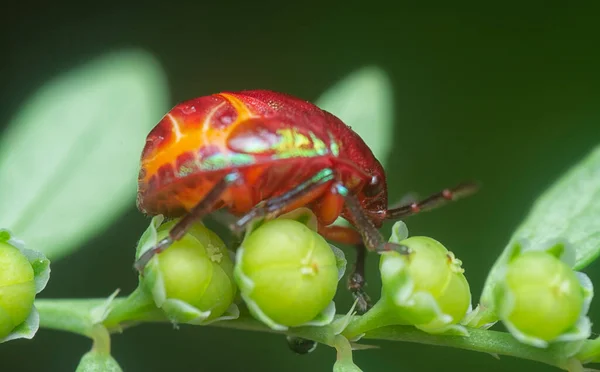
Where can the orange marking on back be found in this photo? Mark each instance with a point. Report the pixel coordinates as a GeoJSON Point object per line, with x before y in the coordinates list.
{"type": "Point", "coordinates": [206, 124]}
{"type": "Point", "coordinates": [175, 127]}
{"type": "Point", "coordinates": [244, 113]}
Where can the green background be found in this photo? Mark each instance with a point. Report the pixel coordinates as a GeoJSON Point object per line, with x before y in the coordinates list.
{"type": "Point", "coordinates": [507, 96]}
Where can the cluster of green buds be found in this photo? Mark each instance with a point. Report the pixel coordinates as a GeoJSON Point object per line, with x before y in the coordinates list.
{"type": "Point", "coordinates": [192, 281]}
{"type": "Point", "coordinates": [284, 271]}
{"type": "Point", "coordinates": [23, 274]}
{"type": "Point", "coordinates": [287, 273]}
{"type": "Point", "coordinates": [535, 292]}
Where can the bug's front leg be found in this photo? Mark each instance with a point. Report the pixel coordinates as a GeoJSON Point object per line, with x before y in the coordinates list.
{"type": "Point", "coordinates": [357, 277]}
{"type": "Point", "coordinates": [434, 201]}
{"type": "Point", "coordinates": [181, 228]}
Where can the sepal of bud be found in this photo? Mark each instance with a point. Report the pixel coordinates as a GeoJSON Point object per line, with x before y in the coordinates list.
{"type": "Point", "coordinates": [287, 273]}
{"type": "Point", "coordinates": [23, 274]}
{"type": "Point", "coordinates": [192, 281]}
{"type": "Point", "coordinates": [539, 297]}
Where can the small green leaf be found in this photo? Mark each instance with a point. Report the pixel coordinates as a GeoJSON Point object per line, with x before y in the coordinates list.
{"type": "Point", "coordinates": [99, 313]}
{"type": "Point", "coordinates": [364, 101]}
{"type": "Point", "coordinates": [569, 210]}
{"type": "Point", "coordinates": [69, 158]}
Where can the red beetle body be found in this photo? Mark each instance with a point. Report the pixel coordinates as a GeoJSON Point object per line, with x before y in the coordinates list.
{"type": "Point", "coordinates": [274, 140]}
{"type": "Point", "coordinates": [259, 154]}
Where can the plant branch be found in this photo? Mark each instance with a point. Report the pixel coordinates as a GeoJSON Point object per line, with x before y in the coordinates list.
{"type": "Point", "coordinates": [74, 316]}
{"type": "Point", "coordinates": [486, 341]}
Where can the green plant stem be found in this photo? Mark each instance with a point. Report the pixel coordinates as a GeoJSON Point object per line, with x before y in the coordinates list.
{"type": "Point", "coordinates": [68, 315]}
{"type": "Point", "coordinates": [135, 308]}
{"type": "Point", "coordinates": [74, 316]}
{"type": "Point", "coordinates": [590, 352]}
{"type": "Point", "coordinates": [101, 338]}
{"type": "Point", "coordinates": [378, 316]}
{"type": "Point", "coordinates": [485, 341]}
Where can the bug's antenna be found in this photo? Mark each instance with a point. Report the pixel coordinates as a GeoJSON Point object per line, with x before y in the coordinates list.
{"type": "Point", "coordinates": [434, 201]}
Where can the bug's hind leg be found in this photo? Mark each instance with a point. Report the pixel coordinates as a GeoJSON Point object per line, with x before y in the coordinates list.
{"type": "Point", "coordinates": [181, 228]}
{"type": "Point", "coordinates": [356, 278]}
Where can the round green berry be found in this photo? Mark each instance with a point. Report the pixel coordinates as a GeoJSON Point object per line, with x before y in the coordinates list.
{"type": "Point", "coordinates": [288, 271]}
{"type": "Point", "coordinates": [546, 297]}
{"type": "Point", "coordinates": [17, 288]}
{"type": "Point", "coordinates": [197, 269]}
{"type": "Point", "coordinates": [429, 265]}
{"type": "Point", "coordinates": [455, 300]}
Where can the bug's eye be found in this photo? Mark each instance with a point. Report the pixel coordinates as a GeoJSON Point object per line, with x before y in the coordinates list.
{"type": "Point", "coordinates": [374, 188]}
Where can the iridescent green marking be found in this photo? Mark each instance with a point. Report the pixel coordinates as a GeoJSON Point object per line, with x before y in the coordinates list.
{"type": "Point", "coordinates": [343, 191]}
{"type": "Point", "coordinates": [220, 161]}
{"type": "Point", "coordinates": [295, 144]}
{"type": "Point", "coordinates": [318, 144]}
{"type": "Point", "coordinates": [334, 147]}
{"type": "Point", "coordinates": [323, 175]}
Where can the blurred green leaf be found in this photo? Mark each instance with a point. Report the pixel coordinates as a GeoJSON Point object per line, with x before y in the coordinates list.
{"type": "Point", "coordinates": [364, 101]}
{"type": "Point", "coordinates": [69, 158]}
{"type": "Point", "coordinates": [569, 210]}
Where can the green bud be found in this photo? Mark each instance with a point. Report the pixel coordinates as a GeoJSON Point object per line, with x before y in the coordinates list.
{"type": "Point", "coordinates": [17, 288]}
{"type": "Point", "coordinates": [541, 299]}
{"type": "Point", "coordinates": [345, 365]}
{"type": "Point", "coordinates": [287, 273]}
{"type": "Point", "coordinates": [96, 361]}
{"type": "Point", "coordinates": [23, 274]}
{"type": "Point", "coordinates": [455, 300]}
{"type": "Point", "coordinates": [192, 281]}
{"type": "Point", "coordinates": [428, 265]}
{"type": "Point", "coordinates": [426, 288]}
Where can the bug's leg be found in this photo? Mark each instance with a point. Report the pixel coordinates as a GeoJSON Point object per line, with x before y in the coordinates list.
{"type": "Point", "coordinates": [356, 278]}
{"type": "Point", "coordinates": [181, 228]}
{"type": "Point", "coordinates": [272, 207]}
{"type": "Point", "coordinates": [372, 238]}
{"type": "Point", "coordinates": [433, 201]}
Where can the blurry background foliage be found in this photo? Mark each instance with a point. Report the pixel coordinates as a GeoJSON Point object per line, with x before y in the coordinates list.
{"type": "Point", "coordinates": [508, 96]}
